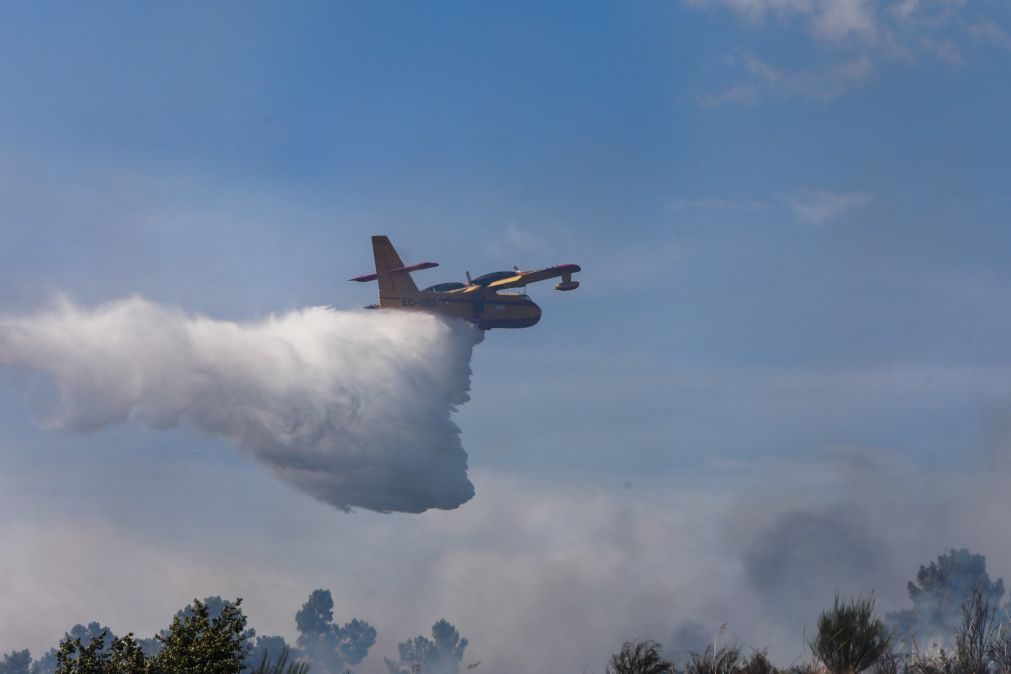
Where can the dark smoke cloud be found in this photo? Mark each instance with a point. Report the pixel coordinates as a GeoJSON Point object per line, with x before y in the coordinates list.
{"type": "Point", "coordinates": [689, 637]}
{"type": "Point", "coordinates": [806, 556]}
{"type": "Point", "coordinates": [351, 407]}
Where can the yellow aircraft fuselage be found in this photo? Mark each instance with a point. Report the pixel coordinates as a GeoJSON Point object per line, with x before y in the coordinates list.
{"type": "Point", "coordinates": [485, 310]}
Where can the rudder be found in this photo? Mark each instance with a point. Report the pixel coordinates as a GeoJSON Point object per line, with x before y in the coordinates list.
{"type": "Point", "coordinates": [387, 259]}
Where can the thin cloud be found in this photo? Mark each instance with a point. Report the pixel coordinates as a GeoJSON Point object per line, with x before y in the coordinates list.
{"type": "Point", "coordinates": [865, 33]}
{"type": "Point", "coordinates": [945, 50]}
{"type": "Point", "coordinates": [905, 8]}
{"type": "Point", "coordinates": [688, 206]}
{"type": "Point", "coordinates": [834, 21]}
{"type": "Point", "coordinates": [846, 21]}
{"type": "Point", "coordinates": [818, 207]}
{"type": "Point", "coordinates": [515, 239]}
{"type": "Point", "coordinates": [988, 31]}
{"type": "Point", "coordinates": [766, 80]}
{"type": "Point", "coordinates": [840, 19]}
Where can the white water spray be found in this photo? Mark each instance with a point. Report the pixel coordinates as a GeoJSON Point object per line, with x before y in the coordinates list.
{"type": "Point", "coordinates": [352, 407]}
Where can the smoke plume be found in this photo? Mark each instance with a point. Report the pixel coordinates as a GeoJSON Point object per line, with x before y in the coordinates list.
{"type": "Point", "coordinates": [351, 407]}
{"type": "Point", "coordinates": [807, 555]}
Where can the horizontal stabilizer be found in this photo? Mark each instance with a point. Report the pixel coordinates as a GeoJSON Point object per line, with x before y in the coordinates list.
{"type": "Point", "coordinates": [363, 279]}
{"type": "Point", "coordinates": [416, 267]}
{"type": "Point", "coordinates": [413, 267]}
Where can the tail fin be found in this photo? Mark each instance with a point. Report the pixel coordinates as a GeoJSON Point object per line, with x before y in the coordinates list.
{"type": "Point", "coordinates": [386, 260]}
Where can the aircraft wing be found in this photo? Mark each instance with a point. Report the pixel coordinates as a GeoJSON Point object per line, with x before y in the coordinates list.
{"type": "Point", "coordinates": [523, 278]}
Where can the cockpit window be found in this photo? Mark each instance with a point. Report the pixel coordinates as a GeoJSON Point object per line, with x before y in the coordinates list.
{"type": "Point", "coordinates": [443, 287]}
{"type": "Point", "coordinates": [492, 277]}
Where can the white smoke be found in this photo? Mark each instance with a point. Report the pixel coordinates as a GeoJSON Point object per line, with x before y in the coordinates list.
{"type": "Point", "coordinates": [352, 407]}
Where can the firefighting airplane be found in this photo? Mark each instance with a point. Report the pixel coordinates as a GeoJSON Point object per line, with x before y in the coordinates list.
{"type": "Point", "coordinates": [478, 300]}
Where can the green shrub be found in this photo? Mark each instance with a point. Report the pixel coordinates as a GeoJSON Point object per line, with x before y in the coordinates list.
{"type": "Point", "coordinates": [849, 638]}
{"type": "Point", "coordinates": [640, 657]}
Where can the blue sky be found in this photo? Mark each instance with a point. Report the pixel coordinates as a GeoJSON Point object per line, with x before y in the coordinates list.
{"type": "Point", "coordinates": [792, 217]}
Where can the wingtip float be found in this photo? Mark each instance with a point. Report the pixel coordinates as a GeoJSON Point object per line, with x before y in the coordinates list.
{"type": "Point", "coordinates": [479, 300]}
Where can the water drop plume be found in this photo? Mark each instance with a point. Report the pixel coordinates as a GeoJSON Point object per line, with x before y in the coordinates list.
{"type": "Point", "coordinates": [352, 407]}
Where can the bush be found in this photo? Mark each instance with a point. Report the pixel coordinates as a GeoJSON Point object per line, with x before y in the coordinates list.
{"type": "Point", "coordinates": [280, 665]}
{"type": "Point", "coordinates": [640, 657]}
{"type": "Point", "coordinates": [726, 660]}
{"type": "Point", "coordinates": [758, 663]}
{"type": "Point", "coordinates": [974, 638]}
{"type": "Point", "coordinates": [849, 638]}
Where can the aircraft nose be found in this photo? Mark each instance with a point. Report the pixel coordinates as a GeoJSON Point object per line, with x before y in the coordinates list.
{"type": "Point", "coordinates": [535, 316]}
